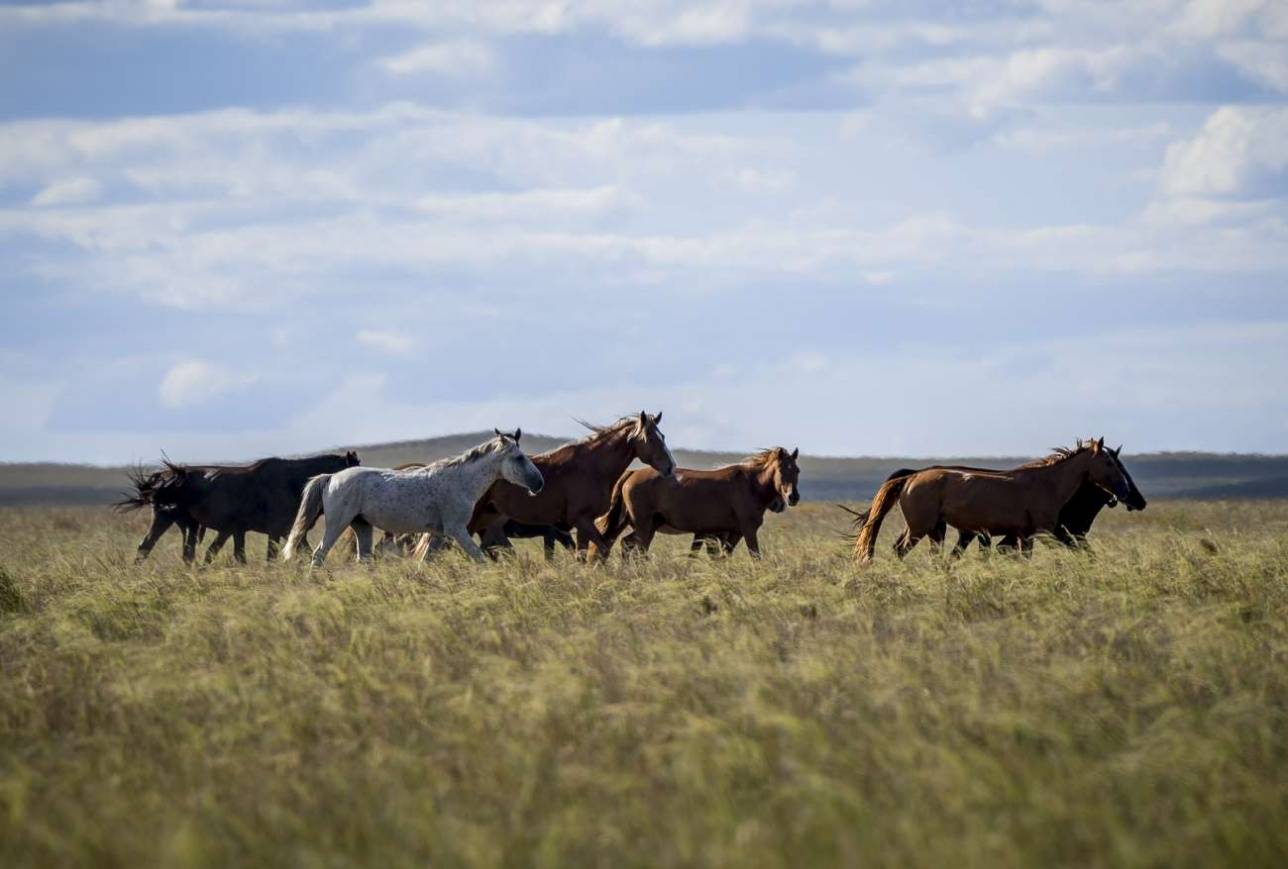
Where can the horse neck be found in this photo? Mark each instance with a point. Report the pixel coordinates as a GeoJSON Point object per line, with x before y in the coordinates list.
{"type": "Point", "coordinates": [1063, 478]}
{"type": "Point", "coordinates": [763, 482]}
{"type": "Point", "coordinates": [608, 456]}
{"type": "Point", "coordinates": [486, 471]}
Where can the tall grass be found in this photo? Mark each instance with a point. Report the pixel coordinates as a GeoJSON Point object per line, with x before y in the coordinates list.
{"type": "Point", "coordinates": [1129, 709]}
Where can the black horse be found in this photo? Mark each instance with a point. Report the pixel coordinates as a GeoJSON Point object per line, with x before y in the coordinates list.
{"type": "Point", "coordinates": [232, 499]}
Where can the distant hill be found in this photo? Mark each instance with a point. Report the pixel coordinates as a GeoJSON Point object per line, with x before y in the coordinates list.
{"type": "Point", "coordinates": [1159, 475]}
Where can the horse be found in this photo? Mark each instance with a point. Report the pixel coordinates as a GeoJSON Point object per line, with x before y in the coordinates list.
{"type": "Point", "coordinates": [579, 482]}
{"type": "Point", "coordinates": [438, 498]}
{"type": "Point", "coordinates": [1020, 502]}
{"type": "Point", "coordinates": [406, 544]}
{"type": "Point", "coordinates": [1076, 516]}
{"type": "Point", "coordinates": [231, 499]}
{"type": "Point", "coordinates": [726, 504]}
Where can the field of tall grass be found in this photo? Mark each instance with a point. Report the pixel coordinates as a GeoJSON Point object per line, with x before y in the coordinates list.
{"type": "Point", "coordinates": [1129, 708]}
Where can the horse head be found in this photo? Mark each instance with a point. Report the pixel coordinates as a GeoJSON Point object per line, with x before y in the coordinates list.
{"type": "Point", "coordinates": [650, 444]}
{"type": "Point", "coordinates": [516, 467]}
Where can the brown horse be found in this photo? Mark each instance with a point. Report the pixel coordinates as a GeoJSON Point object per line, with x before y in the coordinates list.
{"type": "Point", "coordinates": [579, 479]}
{"type": "Point", "coordinates": [1076, 516]}
{"type": "Point", "coordinates": [726, 504]}
{"type": "Point", "coordinates": [1020, 502]}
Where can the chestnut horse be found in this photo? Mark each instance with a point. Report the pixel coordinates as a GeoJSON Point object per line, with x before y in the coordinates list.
{"type": "Point", "coordinates": [726, 504]}
{"type": "Point", "coordinates": [1020, 502]}
{"type": "Point", "coordinates": [1076, 516]}
{"type": "Point", "coordinates": [579, 482]}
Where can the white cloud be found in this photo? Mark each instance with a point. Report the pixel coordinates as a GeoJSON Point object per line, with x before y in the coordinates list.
{"type": "Point", "coordinates": [462, 57]}
{"type": "Point", "coordinates": [1265, 62]}
{"type": "Point", "coordinates": [1239, 151]}
{"type": "Point", "coordinates": [387, 341]}
{"type": "Point", "coordinates": [68, 191]}
{"type": "Point", "coordinates": [195, 381]}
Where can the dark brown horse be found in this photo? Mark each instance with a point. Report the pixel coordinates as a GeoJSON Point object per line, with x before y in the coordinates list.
{"type": "Point", "coordinates": [726, 504]}
{"type": "Point", "coordinates": [1020, 502]}
{"type": "Point", "coordinates": [1076, 517]}
{"type": "Point", "coordinates": [579, 479]}
{"type": "Point", "coordinates": [232, 499]}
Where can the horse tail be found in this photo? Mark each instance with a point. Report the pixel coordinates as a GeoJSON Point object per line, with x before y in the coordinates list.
{"type": "Point", "coordinates": [866, 543]}
{"type": "Point", "coordinates": [610, 525]}
{"type": "Point", "coordinates": [861, 517]}
{"type": "Point", "coordinates": [310, 510]}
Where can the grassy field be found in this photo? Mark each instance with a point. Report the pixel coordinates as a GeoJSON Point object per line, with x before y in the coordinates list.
{"type": "Point", "coordinates": [1126, 709]}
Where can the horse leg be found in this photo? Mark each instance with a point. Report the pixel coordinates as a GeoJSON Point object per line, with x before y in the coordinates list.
{"type": "Point", "coordinates": [964, 539]}
{"type": "Point", "coordinates": [239, 546]}
{"type": "Point", "coordinates": [749, 533]}
{"type": "Point", "coordinates": [363, 531]}
{"type": "Point", "coordinates": [215, 545]}
{"type": "Point", "coordinates": [160, 525]}
{"type": "Point", "coordinates": [907, 540]}
{"type": "Point", "coordinates": [1026, 546]}
{"type": "Point", "coordinates": [587, 534]}
{"type": "Point", "coordinates": [461, 535]}
{"type": "Point", "coordinates": [1062, 534]}
{"type": "Point", "coordinates": [270, 554]}
{"type": "Point", "coordinates": [191, 537]}
{"type": "Point", "coordinates": [937, 535]}
{"type": "Point", "coordinates": [430, 543]}
{"type": "Point", "coordinates": [333, 527]}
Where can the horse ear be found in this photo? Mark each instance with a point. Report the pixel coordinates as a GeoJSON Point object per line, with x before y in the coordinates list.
{"type": "Point", "coordinates": [497, 431]}
{"type": "Point", "coordinates": [796, 452]}
{"type": "Point", "coordinates": [657, 420]}
{"type": "Point", "coordinates": [518, 433]}
{"type": "Point", "coordinates": [1118, 451]}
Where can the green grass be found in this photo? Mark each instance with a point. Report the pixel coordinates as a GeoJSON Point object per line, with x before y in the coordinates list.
{"type": "Point", "coordinates": [1126, 709]}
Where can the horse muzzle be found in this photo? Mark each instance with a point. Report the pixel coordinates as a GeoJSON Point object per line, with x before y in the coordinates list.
{"type": "Point", "coordinates": [794, 498]}
{"type": "Point", "coordinates": [536, 484]}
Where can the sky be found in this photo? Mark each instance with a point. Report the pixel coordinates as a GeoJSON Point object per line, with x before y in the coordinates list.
{"type": "Point", "coordinates": [231, 229]}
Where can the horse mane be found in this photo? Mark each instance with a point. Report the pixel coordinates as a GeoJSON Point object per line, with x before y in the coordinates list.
{"type": "Point", "coordinates": [597, 432]}
{"type": "Point", "coordinates": [473, 454]}
{"type": "Point", "coordinates": [762, 459]}
{"type": "Point", "coordinates": [1059, 454]}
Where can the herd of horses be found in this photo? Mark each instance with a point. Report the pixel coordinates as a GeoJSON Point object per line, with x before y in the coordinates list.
{"type": "Point", "coordinates": [585, 496]}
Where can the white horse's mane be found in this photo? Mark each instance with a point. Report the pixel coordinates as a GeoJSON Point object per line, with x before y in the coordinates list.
{"type": "Point", "coordinates": [473, 454]}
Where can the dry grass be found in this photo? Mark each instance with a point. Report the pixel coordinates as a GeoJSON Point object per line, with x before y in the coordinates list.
{"type": "Point", "coordinates": [1130, 708]}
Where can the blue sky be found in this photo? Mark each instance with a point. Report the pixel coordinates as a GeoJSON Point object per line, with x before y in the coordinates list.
{"type": "Point", "coordinates": [860, 227]}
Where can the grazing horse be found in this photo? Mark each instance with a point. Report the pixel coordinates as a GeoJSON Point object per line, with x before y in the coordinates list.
{"type": "Point", "coordinates": [438, 498]}
{"type": "Point", "coordinates": [232, 499]}
{"type": "Point", "coordinates": [1020, 502]}
{"type": "Point", "coordinates": [579, 482]}
{"type": "Point", "coordinates": [726, 504]}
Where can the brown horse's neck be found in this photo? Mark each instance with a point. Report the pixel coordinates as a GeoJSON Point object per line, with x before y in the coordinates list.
{"type": "Point", "coordinates": [1062, 478]}
{"type": "Point", "coordinates": [605, 456]}
{"type": "Point", "coordinates": [763, 479]}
